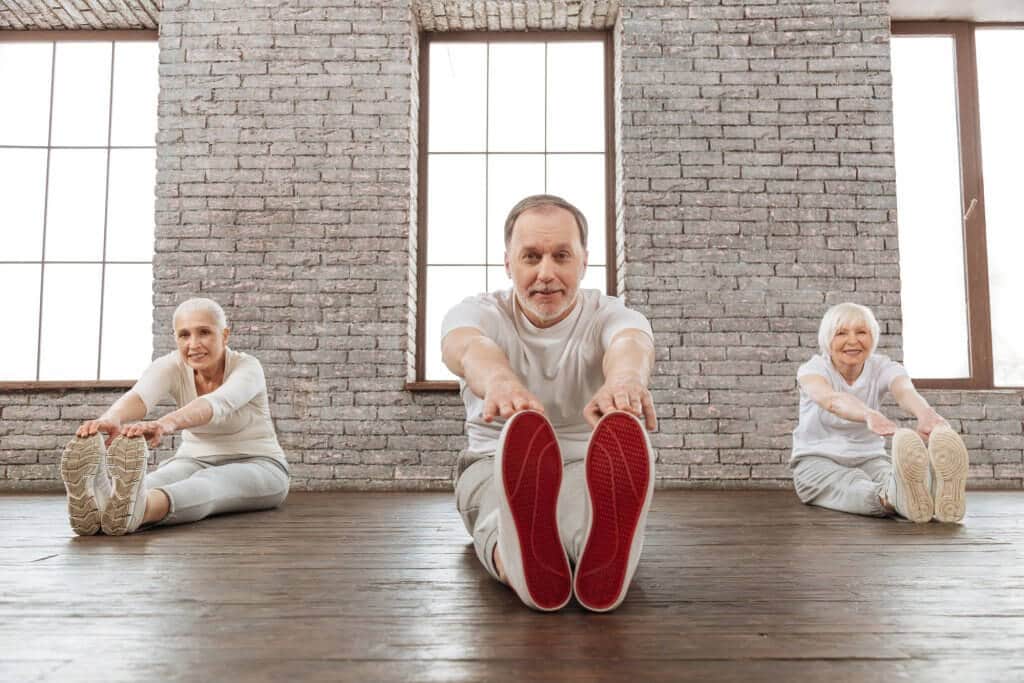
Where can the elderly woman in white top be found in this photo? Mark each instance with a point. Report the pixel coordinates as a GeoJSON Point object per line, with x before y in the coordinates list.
{"type": "Point", "coordinates": [229, 459]}
{"type": "Point", "coordinates": [839, 459]}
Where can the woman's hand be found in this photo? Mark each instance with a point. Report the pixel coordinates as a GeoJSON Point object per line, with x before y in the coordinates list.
{"type": "Point", "coordinates": [105, 426]}
{"type": "Point", "coordinates": [880, 424]}
{"type": "Point", "coordinates": [928, 422]}
{"type": "Point", "coordinates": [153, 431]}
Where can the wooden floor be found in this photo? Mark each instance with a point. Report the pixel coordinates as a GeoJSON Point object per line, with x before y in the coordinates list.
{"type": "Point", "coordinates": [384, 587]}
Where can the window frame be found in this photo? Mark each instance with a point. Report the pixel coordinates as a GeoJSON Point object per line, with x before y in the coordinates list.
{"type": "Point", "coordinates": [972, 187]}
{"type": "Point", "coordinates": [100, 36]}
{"type": "Point", "coordinates": [426, 39]}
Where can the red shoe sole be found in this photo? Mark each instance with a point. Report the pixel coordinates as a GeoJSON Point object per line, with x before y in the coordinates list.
{"type": "Point", "coordinates": [618, 472]}
{"type": "Point", "coordinates": [532, 477]}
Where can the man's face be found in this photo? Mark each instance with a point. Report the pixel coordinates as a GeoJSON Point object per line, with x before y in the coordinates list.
{"type": "Point", "coordinates": [546, 262]}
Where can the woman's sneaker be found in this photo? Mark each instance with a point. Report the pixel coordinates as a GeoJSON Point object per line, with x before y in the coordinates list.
{"type": "Point", "coordinates": [620, 484]}
{"type": "Point", "coordinates": [126, 463]}
{"type": "Point", "coordinates": [85, 478]}
{"type": "Point", "coordinates": [528, 477]}
{"type": "Point", "coordinates": [907, 490]}
{"type": "Point", "coordinates": [949, 462]}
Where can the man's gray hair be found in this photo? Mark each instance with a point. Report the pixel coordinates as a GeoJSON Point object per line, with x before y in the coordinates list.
{"type": "Point", "coordinates": [199, 304]}
{"type": "Point", "coordinates": [549, 200]}
{"type": "Point", "coordinates": [843, 314]}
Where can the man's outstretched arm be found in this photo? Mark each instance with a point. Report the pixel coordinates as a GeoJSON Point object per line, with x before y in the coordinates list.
{"type": "Point", "coordinates": [485, 367]}
{"type": "Point", "coordinates": [627, 364]}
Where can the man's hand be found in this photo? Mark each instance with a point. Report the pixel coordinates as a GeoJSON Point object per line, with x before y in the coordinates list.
{"type": "Point", "coordinates": [928, 422]}
{"type": "Point", "coordinates": [625, 394]}
{"type": "Point", "coordinates": [880, 424]}
{"type": "Point", "coordinates": [506, 396]}
{"type": "Point", "coordinates": [153, 431]}
{"type": "Point", "coordinates": [109, 427]}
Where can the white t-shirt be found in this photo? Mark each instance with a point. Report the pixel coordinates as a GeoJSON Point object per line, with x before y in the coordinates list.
{"type": "Point", "coordinates": [561, 365]}
{"type": "Point", "coordinates": [241, 425]}
{"type": "Point", "coordinates": [823, 433]}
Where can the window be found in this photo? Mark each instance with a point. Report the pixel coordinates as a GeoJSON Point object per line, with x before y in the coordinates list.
{"type": "Point", "coordinates": [77, 177]}
{"type": "Point", "coordinates": [956, 104]}
{"type": "Point", "coordinates": [503, 117]}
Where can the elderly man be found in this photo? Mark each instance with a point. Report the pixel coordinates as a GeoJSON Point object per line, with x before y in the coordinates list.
{"type": "Point", "coordinates": [559, 469]}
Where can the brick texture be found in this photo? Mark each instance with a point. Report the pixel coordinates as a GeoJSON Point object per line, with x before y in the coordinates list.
{"type": "Point", "coordinates": [755, 187]}
{"type": "Point", "coordinates": [52, 15]}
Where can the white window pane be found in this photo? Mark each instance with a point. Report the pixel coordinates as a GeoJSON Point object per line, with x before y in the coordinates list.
{"type": "Point", "coordinates": [458, 97]}
{"type": "Point", "coordinates": [133, 119]}
{"type": "Point", "coordinates": [930, 210]}
{"type": "Point", "coordinates": [455, 208]}
{"type": "Point", "coordinates": [71, 321]}
{"type": "Point", "coordinates": [127, 321]}
{"type": "Point", "coordinates": [497, 279]}
{"type": "Point", "coordinates": [446, 286]}
{"type": "Point", "coordinates": [1001, 99]}
{"type": "Point", "coordinates": [576, 99]}
{"type": "Point", "coordinates": [25, 79]}
{"type": "Point", "coordinates": [74, 213]}
{"type": "Point", "coordinates": [22, 196]}
{"type": "Point", "coordinates": [19, 341]}
{"type": "Point", "coordinates": [580, 179]}
{"type": "Point", "coordinates": [130, 210]}
{"type": "Point", "coordinates": [516, 89]}
{"type": "Point", "coordinates": [510, 178]}
{"type": "Point", "coordinates": [594, 278]}
{"type": "Point", "coordinates": [81, 94]}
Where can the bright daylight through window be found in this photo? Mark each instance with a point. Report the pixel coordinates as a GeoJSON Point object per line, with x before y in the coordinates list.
{"type": "Point", "coordinates": [77, 175]}
{"type": "Point", "coordinates": [506, 119]}
{"type": "Point", "coordinates": [956, 239]}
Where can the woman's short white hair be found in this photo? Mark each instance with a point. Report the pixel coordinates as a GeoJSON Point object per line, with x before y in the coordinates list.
{"type": "Point", "coordinates": [844, 314]}
{"type": "Point", "coordinates": [201, 305]}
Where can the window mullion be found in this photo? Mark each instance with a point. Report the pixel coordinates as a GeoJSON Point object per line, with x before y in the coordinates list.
{"type": "Point", "coordinates": [975, 249]}
{"type": "Point", "coordinates": [106, 213]}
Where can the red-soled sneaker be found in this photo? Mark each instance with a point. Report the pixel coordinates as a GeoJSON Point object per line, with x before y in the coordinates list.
{"type": "Point", "coordinates": [528, 470]}
{"type": "Point", "coordinates": [620, 484]}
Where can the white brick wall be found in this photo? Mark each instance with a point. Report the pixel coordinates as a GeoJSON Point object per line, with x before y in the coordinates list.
{"type": "Point", "coordinates": [756, 182]}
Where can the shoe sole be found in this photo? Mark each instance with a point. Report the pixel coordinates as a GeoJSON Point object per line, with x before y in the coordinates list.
{"type": "Point", "coordinates": [531, 476]}
{"type": "Point", "coordinates": [950, 461]}
{"type": "Point", "coordinates": [618, 471]}
{"type": "Point", "coordinates": [79, 467]}
{"type": "Point", "coordinates": [126, 463]}
{"type": "Point", "coordinates": [910, 461]}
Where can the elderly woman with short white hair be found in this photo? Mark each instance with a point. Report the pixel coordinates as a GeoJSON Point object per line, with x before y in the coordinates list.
{"type": "Point", "coordinates": [839, 459]}
{"type": "Point", "coordinates": [229, 459]}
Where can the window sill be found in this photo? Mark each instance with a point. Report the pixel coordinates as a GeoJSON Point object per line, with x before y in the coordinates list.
{"type": "Point", "coordinates": [959, 385]}
{"type": "Point", "coordinates": [431, 386]}
{"type": "Point", "coordinates": [67, 386]}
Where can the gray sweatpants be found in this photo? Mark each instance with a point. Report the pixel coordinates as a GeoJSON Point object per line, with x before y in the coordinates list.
{"type": "Point", "coordinates": [476, 499]}
{"type": "Point", "coordinates": [851, 488]}
{"type": "Point", "coordinates": [198, 489]}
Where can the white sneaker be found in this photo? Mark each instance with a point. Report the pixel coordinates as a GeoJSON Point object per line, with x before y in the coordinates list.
{"type": "Point", "coordinates": [528, 476]}
{"type": "Point", "coordinates": [949, 462]}
{"type": "Point", "coordinates": [908, 488]}
{"type": "Point", "coordinates": [84, 472]}
{"type": "Point", "coordinates": [126, 462]}
{"type": "Point", "coordinates": [620, 485]}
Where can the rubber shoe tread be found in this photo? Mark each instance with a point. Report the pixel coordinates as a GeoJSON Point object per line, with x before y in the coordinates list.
{"type": "Point", "coordinates": [79, 466]}
{"type": "Point", "coordinates": [619, 484]}
{"type": "Point", "coordinates": [530, 479]}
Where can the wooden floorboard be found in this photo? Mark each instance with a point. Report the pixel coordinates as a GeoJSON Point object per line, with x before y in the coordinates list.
{"type": "Point", "coordinates": [734, 585]}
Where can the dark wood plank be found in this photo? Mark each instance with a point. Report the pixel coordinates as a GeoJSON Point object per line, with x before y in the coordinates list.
{"type": "Point", "coordinates": [745, 585]}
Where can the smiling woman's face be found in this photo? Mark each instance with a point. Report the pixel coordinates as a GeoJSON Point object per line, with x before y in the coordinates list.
{"type": "Point", "coordinates": [200, 343]}
{"type": "Point", "coordinates": [851, 344]}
